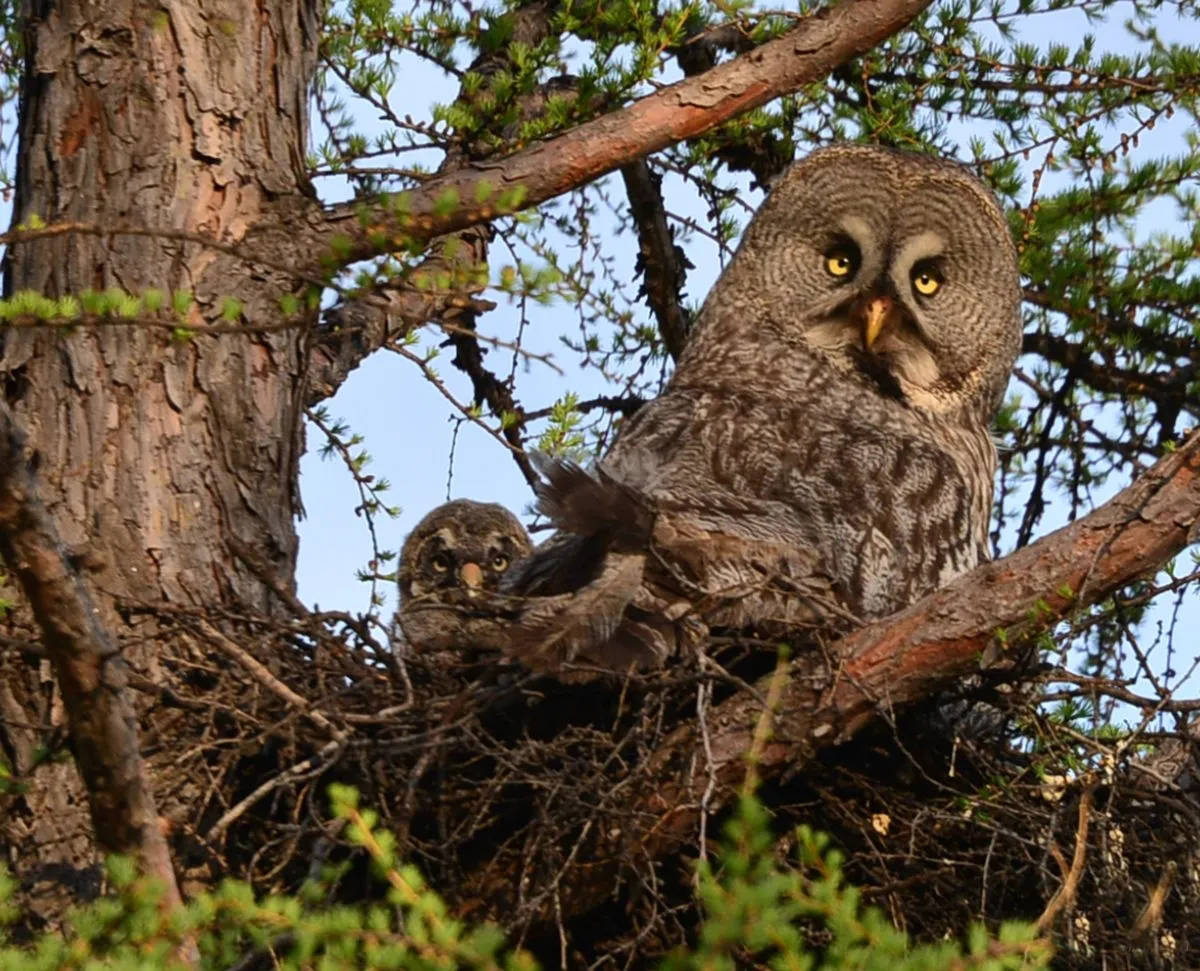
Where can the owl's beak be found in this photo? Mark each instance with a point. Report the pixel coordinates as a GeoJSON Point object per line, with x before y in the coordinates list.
{"type": "Point", "coordinates": [874, 314]}
{"type": "Point", "coordinates": [471, 575]}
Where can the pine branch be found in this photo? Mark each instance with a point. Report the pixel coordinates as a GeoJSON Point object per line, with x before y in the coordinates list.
{"type": "Point", "coordinates": [688, 108]}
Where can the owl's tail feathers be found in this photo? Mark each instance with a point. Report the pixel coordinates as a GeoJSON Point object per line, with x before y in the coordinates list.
{"type": "Point", "coordinates": [592, 503]}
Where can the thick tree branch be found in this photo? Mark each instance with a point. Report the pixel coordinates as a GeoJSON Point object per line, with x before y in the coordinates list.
{"type": "Point", "coordinates": [805, 54]}
{"type": "Point", "coordinates": [905, 658]}
{"type": "Point", "coordinates": [91, 674]}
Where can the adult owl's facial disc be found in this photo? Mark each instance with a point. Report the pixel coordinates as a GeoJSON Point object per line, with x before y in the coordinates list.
{"type": "Point", "coordinates": [902, 270]}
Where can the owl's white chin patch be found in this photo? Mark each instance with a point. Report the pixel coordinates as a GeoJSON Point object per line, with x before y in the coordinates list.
{"type": "Point", "coordinates": [910, 363]}
{"type": "Point", "coordinates": [918, 376]}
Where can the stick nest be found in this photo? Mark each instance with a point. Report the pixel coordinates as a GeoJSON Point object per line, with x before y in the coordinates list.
{"type": "Point", "coordinates": [519, 797]}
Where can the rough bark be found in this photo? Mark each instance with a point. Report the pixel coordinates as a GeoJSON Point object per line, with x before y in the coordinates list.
{"type": "Point", "coordinates": [151, 453]}
{"type": "Point", "coordinates": [90, 673]}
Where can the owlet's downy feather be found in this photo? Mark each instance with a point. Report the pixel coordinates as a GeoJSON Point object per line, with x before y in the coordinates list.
{"type": "Point", "coordinates": [822, 454]}
{"type": "Point", "coordinates": [455, 555]}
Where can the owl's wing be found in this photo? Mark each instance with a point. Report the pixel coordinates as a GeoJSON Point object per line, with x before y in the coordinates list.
{"type": "Point", "coordinates": [588, 625]}
{"type": "Point", "coordinates": [584, 601]}
{"type": "Point", "coordinates": [737, 582]}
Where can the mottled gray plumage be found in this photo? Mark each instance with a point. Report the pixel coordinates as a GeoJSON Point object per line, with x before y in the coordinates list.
{"type": "Point", "coordinates": [456, 554]}
{"type": "Point", "coordinates": [822, 453]}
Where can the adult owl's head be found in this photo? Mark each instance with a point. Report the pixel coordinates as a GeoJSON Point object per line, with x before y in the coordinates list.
{"type": "Point", "coordinates": [460, 546]}
{"type": "Point", "coordinates": [898, 267]}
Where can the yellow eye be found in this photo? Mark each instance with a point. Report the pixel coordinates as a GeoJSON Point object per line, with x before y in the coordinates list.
{"type": "Point", "coordinates": [499, 562]}
{"type": "Point", "coordinates": [839, 262]}
{"type": "Point", "coordinates": [926, 282]}
{"type": "Point", "coordinates": [441, 563]}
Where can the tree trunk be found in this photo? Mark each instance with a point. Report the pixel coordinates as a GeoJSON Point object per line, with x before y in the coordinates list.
{"type": "Point", "coordinates": [159, 454]}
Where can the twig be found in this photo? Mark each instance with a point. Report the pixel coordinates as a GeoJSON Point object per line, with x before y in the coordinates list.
{"type": "Point", "coordinates": [263, 676]}
{"type": "Point", "coordinates": [368, 490]}
{"type": "Point", "coordinates": [1070, 886]}
{"type": "Point", "coordinates": [310, 766]}
{"type": "Point", "coordinates": [660, 261]}
{"type": "Point", "coordinates": [255, 258]}
{"type": "Point", "coordinates": [1151, 915]}
{"type": "Point", "coordinates": [468, 358]}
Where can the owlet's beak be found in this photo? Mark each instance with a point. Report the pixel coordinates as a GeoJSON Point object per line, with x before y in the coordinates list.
{"type": "Point", "coordinates": [471, 575]}
{"type": "Point", "coordinates": [873, 315]}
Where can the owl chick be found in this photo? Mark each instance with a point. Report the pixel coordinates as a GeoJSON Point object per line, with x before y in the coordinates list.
{"type": "Point", "coordinates": [461, 548]}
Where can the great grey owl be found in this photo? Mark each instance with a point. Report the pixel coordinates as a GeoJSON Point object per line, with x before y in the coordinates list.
{"type": "Point", "coordinates": [822, 454]}
{"type": "Point", "coordinates": [459, 550]}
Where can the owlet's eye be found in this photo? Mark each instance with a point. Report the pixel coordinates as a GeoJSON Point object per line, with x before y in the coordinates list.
{"type": "Point", "coordinates": [841, 262]}
{"type": "Point", "coordinates": [441, 563]}
{"type": "Point", "coordinates": [926, 280]}
{"type": "Point", "coordinates": [499, 561]}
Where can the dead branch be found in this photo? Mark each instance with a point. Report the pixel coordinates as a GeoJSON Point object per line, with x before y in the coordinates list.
{"type": "Point", "coordinates": [1070, 885]}
{"type": "Point", "coordinates": [1164, 388]}
{"type": "Point", "coordinates": [263, 676]}
{"type": "Point", "coordinates": [663, 264]}
{"type": "Point", "coordinates": [1151, 916]}
{"type": "Point", "coordinates": [91, 673]}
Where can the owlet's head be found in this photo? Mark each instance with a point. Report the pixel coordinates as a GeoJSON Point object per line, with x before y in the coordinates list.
{"type": "Point", "coordinates": [460, 546]}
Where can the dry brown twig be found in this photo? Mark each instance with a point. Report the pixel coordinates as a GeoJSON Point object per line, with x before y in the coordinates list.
{"type": "Point", "coordinates": [1070, 886]}
{"type": "Point", "coordinates": [263, 676]}
{"type": "Point", "coordinates": [1151, 916]}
